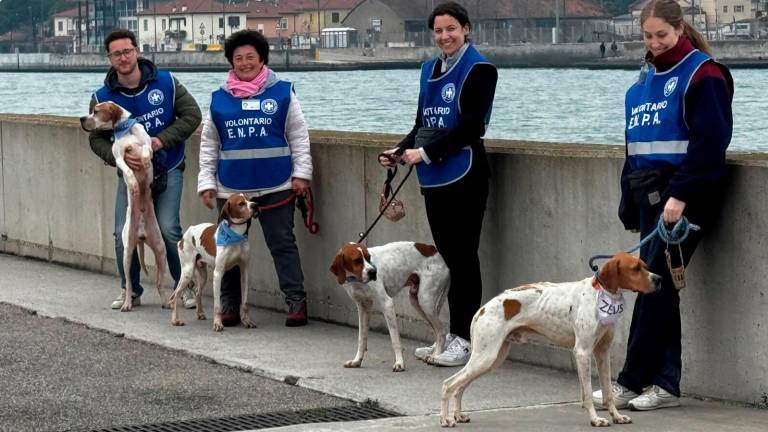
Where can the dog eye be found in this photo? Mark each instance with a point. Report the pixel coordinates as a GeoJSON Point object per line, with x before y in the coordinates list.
{"type": "Point", "coordinates": [358, 261]}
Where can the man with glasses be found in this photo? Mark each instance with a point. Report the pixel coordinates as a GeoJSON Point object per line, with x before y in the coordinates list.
{"type": "Point", "coordinates": [170, 115]}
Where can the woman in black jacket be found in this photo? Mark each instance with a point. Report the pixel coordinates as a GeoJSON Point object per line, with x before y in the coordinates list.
{"type": "Point", "coordinates": [446, 146]}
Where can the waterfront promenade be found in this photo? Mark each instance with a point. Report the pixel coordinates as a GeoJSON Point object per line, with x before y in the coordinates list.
{"type": "Point", "coordinates": [551, 206]}
{"type": "Point", "coordinates": [518, 396]}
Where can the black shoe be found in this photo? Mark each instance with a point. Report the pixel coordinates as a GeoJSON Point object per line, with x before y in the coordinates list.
{"type": "Point", "coordinates": [297, 314]}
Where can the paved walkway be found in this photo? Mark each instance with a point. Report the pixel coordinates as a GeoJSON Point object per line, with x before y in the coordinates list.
{"type": "Point", "coordinates": [519, 396]}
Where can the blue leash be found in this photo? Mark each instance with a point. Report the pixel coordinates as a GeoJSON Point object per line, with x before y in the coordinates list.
{"type": "Point", "coordinates": [673, 236]}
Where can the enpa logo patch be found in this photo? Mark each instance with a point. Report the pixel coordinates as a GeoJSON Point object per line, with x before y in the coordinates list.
{"type": "Point", "coordinates": [155, 97]}
{"type": "Point", "coordinates": [269, 106]}
{"type": "Point", "coordinates": [670, 86]}
{"type": "Point", "coordinates": [448, 92]}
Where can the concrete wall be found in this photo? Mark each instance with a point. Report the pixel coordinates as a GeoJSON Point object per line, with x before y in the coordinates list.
{"type": "Point", "coordinates": [751, 53]}
{"type": "Point", "coordinates": [551, 207]}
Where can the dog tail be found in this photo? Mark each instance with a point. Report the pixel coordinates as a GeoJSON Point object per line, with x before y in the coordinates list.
{"type": "Point", "coordinates": [141, 258]}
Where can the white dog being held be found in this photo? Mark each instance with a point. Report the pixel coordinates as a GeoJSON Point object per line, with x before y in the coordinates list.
{"type": "Point", "coordinates": [579, 315]}
{"type": "Point", "coordinates": [373, 276]}
{"type": "Point", "coordinates": [223, 247]}
{"type": "Point", "coordinates": [140, 222]}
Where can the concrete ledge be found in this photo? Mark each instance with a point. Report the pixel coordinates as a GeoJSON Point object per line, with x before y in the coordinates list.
{"type": "Point", "coordinates": [551, 207]}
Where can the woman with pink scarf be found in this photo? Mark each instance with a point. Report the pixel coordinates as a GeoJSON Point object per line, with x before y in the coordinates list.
{"type": "Point", "coordinates": [255, 141]}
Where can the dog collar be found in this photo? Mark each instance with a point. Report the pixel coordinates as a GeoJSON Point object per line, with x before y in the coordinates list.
{"type": "Point", "coordinates": [351, 278]}
{"type": "Point", "coordinates": [226, 236]}
{"type": "Point", "coordinates": [122, 129]}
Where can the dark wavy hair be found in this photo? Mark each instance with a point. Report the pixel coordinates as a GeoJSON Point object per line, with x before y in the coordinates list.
{"type": "Point", "coordinates": [119, 34]}
{"type": "Point", "coordinates": [246, 37]}
{"type": "Point", "coordinates": [449, 8]}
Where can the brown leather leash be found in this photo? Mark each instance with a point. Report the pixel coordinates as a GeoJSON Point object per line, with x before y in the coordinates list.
{"type": "Point", "coordinates": [391, 172]}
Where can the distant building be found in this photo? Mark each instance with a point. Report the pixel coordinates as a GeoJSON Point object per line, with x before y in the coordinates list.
{"type": "Point", "coordinates": [495, 22]}
{"type": "Point", "coordinates": [189, 25]}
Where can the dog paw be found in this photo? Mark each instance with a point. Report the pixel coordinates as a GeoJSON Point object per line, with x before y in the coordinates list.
{"type": "Point", "coordinates": [126, 307]}
{"type": "Point", "coordinates": [177, 323]}
{"type": "Point", "coordinates": [622, 419]}
{"type": "Point", "coordinates": [461, 418]}
{"type": "Point", "coordinates": [398, 367]}
{"type": "Point", "coordinates": [353, 363]}
{"type": "Point", "coordinates": [599, 422]}
{"type": "Point", "coordinates": [201, 316]}
{"type": "Point", "coordinates": [447, 422]}
{"type": "Point", "coordinates": [217, 325]}
{"type": "Point", "coordinates": [247, 323]}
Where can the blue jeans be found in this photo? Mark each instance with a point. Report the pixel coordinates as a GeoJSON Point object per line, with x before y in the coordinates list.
{"type": "Point", "coordinates": [167, 207]}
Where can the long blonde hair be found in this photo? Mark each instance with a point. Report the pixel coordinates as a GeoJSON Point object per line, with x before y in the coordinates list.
{"type": "Point", "coordinates": [672, 14]}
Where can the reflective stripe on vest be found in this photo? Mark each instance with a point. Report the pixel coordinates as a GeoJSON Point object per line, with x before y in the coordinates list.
{"type": "Point", "coordinates": [439, 107]}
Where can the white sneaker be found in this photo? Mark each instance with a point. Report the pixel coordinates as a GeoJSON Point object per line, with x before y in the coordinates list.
{"type": "Point", "coordinates": [422, 353]}
{"type": "Point", "coordinates": [655, 398]}
{"type": "Point", "coordinates": [118, 302]}
{"type": "Point", "coordinates": [188, 297]}
{"type": "Point", "coordinates": [457, 353]}
{"type": "Point", "coordinates": [621, 396]}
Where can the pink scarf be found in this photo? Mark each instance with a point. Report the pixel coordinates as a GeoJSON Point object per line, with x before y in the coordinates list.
{"type": "Point", "coordinates": [243, 89]}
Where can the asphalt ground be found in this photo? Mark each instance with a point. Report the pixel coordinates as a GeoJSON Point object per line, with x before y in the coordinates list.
{"type": "Point", "coordinates": [56, 375]}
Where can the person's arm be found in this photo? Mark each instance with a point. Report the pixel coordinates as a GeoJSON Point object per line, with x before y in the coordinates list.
{"type": "Point", "coordinates": [710, 122]}
{"type": "Point", "coordinates": [297, 134]}
{"type": "Point", "coordinates": [476, 100]}
{"type": "Point", "coordinates": [101, 140]}
{"type": "Point", "coordinates": [187, 120]}
{"type": "Point", "coordinates": [210, 144]}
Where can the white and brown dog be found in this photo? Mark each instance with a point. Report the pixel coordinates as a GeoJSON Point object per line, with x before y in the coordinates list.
{"type": "Point", "coordinates": [141, 222]}
{"type": "Point", "coordinates": [579, 315]}
{"type": "Point", "coordinates": [373, 276]}
{"type": "Point", "coordinates": [223, 247]}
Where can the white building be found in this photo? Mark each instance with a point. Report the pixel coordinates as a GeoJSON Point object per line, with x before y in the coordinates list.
{"type": "Point", "coordinates": [188, 25]}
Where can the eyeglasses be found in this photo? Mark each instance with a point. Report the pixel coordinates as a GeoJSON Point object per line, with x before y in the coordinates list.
{"type": "Point", "coordinates": [124, 53]}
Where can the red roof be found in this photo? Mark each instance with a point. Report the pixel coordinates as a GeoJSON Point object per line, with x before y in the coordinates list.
{"type": "Point", "coordinates": [69, 13]}
{"type": "Point", "coordinates": [186, 7]}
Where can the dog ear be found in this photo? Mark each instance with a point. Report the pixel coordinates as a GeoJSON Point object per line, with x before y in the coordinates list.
{"type": "Point", "coordinates": [224, 214]}
{"type": "Point", "coordinates": [337, 268]}
{"type": "Point", "coordinates": [610, 275]}
{"type": "Point", "coordinates": [115, 113]}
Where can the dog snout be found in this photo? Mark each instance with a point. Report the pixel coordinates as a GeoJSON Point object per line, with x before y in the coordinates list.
{"type": "Point", "coordinates": [655, 282]}
{"type": "Point", "coordinates": [372, 274]}
{"type": "Point", "coordinates": [254, 207]}
{"type": "Point", "coordinates": [84, 123]}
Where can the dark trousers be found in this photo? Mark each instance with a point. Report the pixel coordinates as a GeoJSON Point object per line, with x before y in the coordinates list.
{"type": "Point", "coordinates": [455, 213]}
{"type": "Point", "coordinates": [277, 226]}
{"type": "Point", "coordinates": [654, 348]}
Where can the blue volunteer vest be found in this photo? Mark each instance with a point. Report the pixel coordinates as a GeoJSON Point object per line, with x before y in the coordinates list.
{"type": "Point", "coordinates": [153, 108]}
{"type": "Point", "coordinates": [657, 136]}
{"type": "Point", "coordinates": [254, 153]}
{"type": "Point", "coordinates": [439, 108]}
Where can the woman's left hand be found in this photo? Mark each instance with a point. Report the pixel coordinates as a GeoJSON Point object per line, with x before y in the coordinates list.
{"type": "Point", "coordinates": [299, 186]}
{"type": "Point", "coordinates": [411, 157]}
{"type": "Point", "coordinates": [673, 210]}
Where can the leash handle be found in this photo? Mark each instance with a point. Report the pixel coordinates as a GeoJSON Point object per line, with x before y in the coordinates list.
{"type": "Point", "coordinates": [364, 234]}
{"type": "Point", "coordinates": [306, 205]}
{"type": "Point", "coordinates": [674, 236]}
